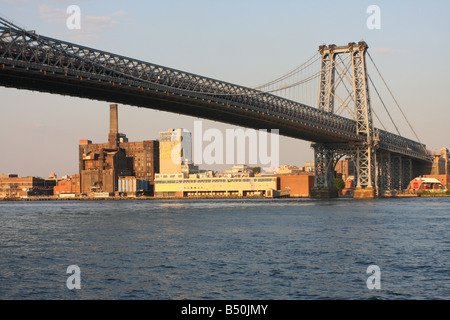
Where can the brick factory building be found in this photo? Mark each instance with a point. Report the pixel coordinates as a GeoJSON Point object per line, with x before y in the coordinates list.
{"type": "Point", "coordinates": [345, 169]}
{"type": "Point", "coordinates": [443, 178]}
{"type": "Point", "coordinates": [300, 185]}
{"type": "Point", "coordinates": [70, 185]}
{"type": "Point", "coordinates": [12, 186]}
{"type": "Point", "coordinates": [101, 165]}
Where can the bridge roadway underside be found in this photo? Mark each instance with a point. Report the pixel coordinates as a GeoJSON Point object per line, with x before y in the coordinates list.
{"type": "Point", "coordinates": [196, 107]}
{"type": "Point", "coordinates": [159, 100]}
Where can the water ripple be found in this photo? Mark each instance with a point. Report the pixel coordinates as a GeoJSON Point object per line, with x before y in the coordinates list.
{"type": "Point", "coordinates": [226, 249]}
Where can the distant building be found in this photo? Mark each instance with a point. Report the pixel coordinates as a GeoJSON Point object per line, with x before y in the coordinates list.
{"type": "Point", "coordinates": [345, 169]}
{"type": "Point", "coordinates": [132, 187]}
{"type": "Point", "coordinates": [444, 179]}
{"type": "Point", "coordinates": [289, 169]}
{"type": "Point", "coordinates": [240, 170]}
{"type": "Point", "coordinates": [425, 184]}
{"type": "Point", "coordinates": [441, 163]}
{"type": "Point", "coordinates": [298, 185]}
{"type": "Point", "coordinates": [9, 175]}
{"type": "Point", "coordinates": [143, 159]}
{"type": "Point", "coordinates": [178, 185]}
{"type": "Point", "coordinates": [239, 181]}
{"type": "Point", "coordinates": [69, 185]}
{"type": "Point", "coordinates": [18, 187]}
{"type": "Point", "coordinates": [175, 152]}
{"type": "Point", "coordinates": [101, 165]}
{"type": "Point", "coordinates": [53, 176]}
{"type": "Point", "coordinates": [309, 166]}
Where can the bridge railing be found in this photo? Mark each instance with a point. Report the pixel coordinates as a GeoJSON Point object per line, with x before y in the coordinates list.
{"type": "Point", "coordinates": [397, 144]}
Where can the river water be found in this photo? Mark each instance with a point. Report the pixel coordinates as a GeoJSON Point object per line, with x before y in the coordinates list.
{"type": "Point", "coordinates": [283, 249]}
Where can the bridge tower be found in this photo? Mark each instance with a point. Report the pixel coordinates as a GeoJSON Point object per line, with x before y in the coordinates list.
{"type": "Point", "coordinates": [326, 155]}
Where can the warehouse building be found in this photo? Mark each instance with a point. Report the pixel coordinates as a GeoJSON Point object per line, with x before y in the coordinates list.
{"type": "Point", "coordinates": [101, 165]}
{"type": "Point", "coordinates": [132, 187]}
{"type": "Point", "coordinates": [12, 186]}
{"type": "Point", "coordinates": [197, 185]}
{"type": "Point", "coordinates": [67, 186]}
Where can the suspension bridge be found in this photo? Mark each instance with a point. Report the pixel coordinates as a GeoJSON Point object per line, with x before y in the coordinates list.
{"type": "Point", "coordinates": [335, 112]}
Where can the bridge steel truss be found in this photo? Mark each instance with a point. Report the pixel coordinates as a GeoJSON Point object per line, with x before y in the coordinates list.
{"type": "Point", "coordinates": [35, 62]}
{"type": "Point", "coordinates": [392, 172]}
{"type": "Point", "coordinates": [26, 56]}
{"type": "Point", "coordinates": [380, 169]}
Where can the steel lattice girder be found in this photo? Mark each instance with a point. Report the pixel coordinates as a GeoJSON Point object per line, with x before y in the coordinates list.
{"type": "Point", "coordinates": [384, 171]}
{"type": "Point", "coordinates": [361, 94]}
{"type": "Point", "coordinates": [361, 154]}
{"type": "Point", "coordinates": [327, 88]}
{"type": "Point", "coordinates": [326, 85]}
{"type": "Point", "coordinates": [35, 53]}
{"type": "Point", "coordinates": [397, 172]}
{"type": "Point", "coordinates": [323, 166]}
{"type": "Point", "coordinates": [364, 159]}
{"type": "Point", "coordinates": [394, 172]}
{"type": "Point", "coordinates": [406, 172]}
{"type": "Point", "coordinates": [326, 156]}
{"type": "Point", "coordinates": [46, 54]}
{"type": "Point", "coordinates": [365, 167]}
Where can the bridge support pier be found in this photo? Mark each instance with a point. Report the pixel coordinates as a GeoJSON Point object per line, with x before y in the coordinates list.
{"type": "Point", "coordinates": [388, 175]}
{"type": "Point", "coordinates": [324, 193]}
{"type": "Point", "coordinates": [384, 173]}
{"type": "Point", "coordinates": [365, 172]}
{"type": "Point", "coordinates": [364, 193]}
{"type": "Point", "coordinates": [325, 158]}
{"type": "Point", "coordinates": [394, 173]}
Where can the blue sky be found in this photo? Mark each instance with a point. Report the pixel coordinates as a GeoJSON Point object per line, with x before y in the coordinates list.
{"type": "Point", "coordinates": [244, 42]}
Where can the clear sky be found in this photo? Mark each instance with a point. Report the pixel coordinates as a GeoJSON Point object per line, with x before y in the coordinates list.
{"type": "Point", "coordinates": [246, 42]}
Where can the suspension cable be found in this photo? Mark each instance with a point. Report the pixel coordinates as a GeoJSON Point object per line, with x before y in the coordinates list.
{"type": "Point", "coordinates": [379, 120]}
{"type": "Point", "coordinates": [296, 83]}
{"type": "Point", "coordinates": [385, 108]}
{"type": "Point", "coordinates": [395, 100]}
{"type": "Point", "coordinates": [306, 64]}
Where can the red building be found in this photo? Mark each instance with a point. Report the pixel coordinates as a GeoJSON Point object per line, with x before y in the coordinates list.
{"type": "Point", "coordinates": [443, 178]}
{"type": "Point", "coordinates": [299, 185]}
{"type": "Point", "coordinates": [425, 184]}
{"type": "Point", "coordinates": [68, 186]}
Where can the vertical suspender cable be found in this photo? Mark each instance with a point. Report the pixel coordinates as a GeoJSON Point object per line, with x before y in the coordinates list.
{"type": "Point", "coordinates": [382, 102]}
{"type": "Point", "coordinates": [398, 106]}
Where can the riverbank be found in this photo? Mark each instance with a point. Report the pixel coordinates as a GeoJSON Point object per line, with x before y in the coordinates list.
{"type": "Point", "coordinates": [195, 198]}
{"type": "Point", "coordinates": [406, 195]}
{"type": "Point", "coordinates": [124, 198]}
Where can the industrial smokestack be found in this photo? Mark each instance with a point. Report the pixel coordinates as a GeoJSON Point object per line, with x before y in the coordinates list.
{"type": "Point", "coordinates": [113, 125]}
